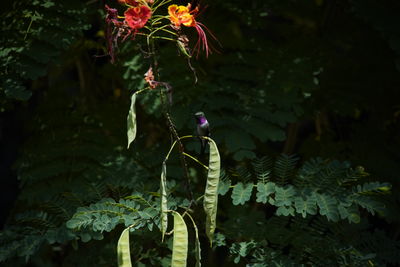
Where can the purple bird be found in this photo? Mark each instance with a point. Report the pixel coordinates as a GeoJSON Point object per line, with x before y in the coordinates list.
{"type": "Point", "coordinates": [203, 129]}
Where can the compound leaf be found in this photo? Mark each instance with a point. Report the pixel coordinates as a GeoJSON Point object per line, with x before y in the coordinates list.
{"type": "Point", "coordinates": [264, 190]}
{"type": "Point", "coordinates": [284, 196]}
{"type": "Point", "coordinates": [327, 206]}
{"type": "Point", "coordinates": [224, 186]}
{"type": "Point", "coordinates": [241, 193]}
{"type": "Point", "coordinates": [306, 206]}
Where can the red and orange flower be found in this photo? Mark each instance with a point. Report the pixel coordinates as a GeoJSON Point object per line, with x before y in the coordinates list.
{"type": "Point", "coordinates": [186, 16]}
{"type": "Point", "coordinates": [137, 17]}
{"type": "Point", "coordinates": [182, 15]}
{"type": "Point", "coordinates": [138, 13]}
{"type": "Point", "coordinates": [129, 2]}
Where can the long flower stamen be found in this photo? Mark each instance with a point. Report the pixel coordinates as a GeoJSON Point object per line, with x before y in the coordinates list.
{"type": "Point", "coordinates": [202, 41]}
{"type": "Point", "coordinates": [186, 16]}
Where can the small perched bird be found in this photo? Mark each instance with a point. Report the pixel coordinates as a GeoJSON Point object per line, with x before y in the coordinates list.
{"type": "Point", "coordinates": [203, 129]}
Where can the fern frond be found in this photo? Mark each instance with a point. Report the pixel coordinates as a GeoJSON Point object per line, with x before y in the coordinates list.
{"type": "Point", "coordinates": [243, 173]}
{"type": "Point", "coordinates": [59, 207]}
{"type": "Point", "coordinates": [101, 216]}
{"type": "Point", "coordinates": [379, 243]}
{"type": "Point", "coordinates": [262, 168]}
{"type": "Point", "coordinates": [372, 188]}
{"type": "Point", "coordinates": [369, 203]}
{"type": "Point", "coordinates": [30, 52]}
{"type": "Point", "coordinates": [35, 219]}
{"type": "Point", "coordinates": [284, 168]}
{"type": "Point", "coordinates": [224, 183]}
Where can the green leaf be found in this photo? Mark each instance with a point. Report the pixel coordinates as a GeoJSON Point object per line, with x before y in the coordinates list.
{"type": "Point", "coordinates": [244, 154]}
{"type": "Point", "coordinates": [219, 240]}
{"type": "Point", "coordinates": [264, 190]}
{"type": "Point", "coordinates": [106, 214]}
{"type": "Point", "coordinates": [210, 202]}
{"type": "Point", "coordinates": [265, 131]}
{"type": "Point", "coordinates": [354, 214]}
{"type": "Point", "coordinates": [164, 204]}
{"type": "Point", "coordinates": [48, 4]}
{"type": "Point", "coordinates": [87, 216]}
{"type": "Point", "coordinates": [285, 211]}
{"type": "Point", "coordinates": [180, 242]}
{"type": "Point", "coordinates": [373, 188]}
{"type": "Point", "coordinates": [242, 249]}
{"type": "Point", "coordinates": [285, 167]}
{"type": "Point", "coordinates": [16, 90]}
{"type": "Point", "coordinates": [284, 196]}
{"type": "Point", "coordinates": [183, 48]}
{"type": "Point", "coordinates": [306, 206]}
{"type": "Point", "coordinates": [224, 186]}
{"type": "Point", "coordinates": [350, 213]}
{"type": "Point", "coordinates": [235, 141]}
{"type": "Point", "coordinates": [262, 168]}
{"type": "Point", "coordinates": [369, 203]}
{"type": "Point", "coordinates": [241, 193]}
{"type": "Point", "coordinates": [131, 121]}
{"type": "Point", "coordinates": [124, 253]}
{"type": "Point", "coordinates": [327, 206]}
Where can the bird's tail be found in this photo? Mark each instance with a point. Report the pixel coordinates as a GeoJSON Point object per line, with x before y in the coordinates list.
{"type": "Point", "coordinates": [203, 144]}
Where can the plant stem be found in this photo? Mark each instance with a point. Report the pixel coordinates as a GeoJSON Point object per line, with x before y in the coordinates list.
{"type": "Point", "coordinates": [170, 123]}
{"type": "Point", "coordinates": [162, 3]}
{"type": "Point", "coordinates": [193, 158]}
{"type": "Point", "coordinates": [158, 29]}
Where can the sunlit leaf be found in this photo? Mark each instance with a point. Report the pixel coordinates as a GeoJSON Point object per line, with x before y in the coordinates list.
{"type": "Point", "coordinates": [264, 190]}
{"type": "Point", "coordinates": [306, 206]}
{"type": "Point", "coordinates": [284, 196]}
{"type": "Point", "coordinates": [285, 211]}
{"type": "Point", "coordinates": [241, 193]}
{"type": "Point", "coordinates": [224, 186]}
{"type": "Point", "coordinates": [373, 188]}
{"type": "Point", "coordinates": [327, 206]}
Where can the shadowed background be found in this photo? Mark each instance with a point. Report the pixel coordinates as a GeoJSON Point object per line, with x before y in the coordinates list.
{"type": "Point", "coordinates": [307, 78]}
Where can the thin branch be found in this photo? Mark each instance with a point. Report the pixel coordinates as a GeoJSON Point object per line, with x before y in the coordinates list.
{"type": "Point", "coordinates": [193, 158]}
{"type": "Point", "coordinates": [170, 123]}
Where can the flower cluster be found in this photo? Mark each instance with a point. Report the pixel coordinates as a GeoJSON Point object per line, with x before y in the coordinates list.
{"type": "Point", "coordinates": [136, 19]}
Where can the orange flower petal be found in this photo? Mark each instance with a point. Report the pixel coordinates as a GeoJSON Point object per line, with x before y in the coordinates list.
{"type": "Point", "coordinates": [179, 15]}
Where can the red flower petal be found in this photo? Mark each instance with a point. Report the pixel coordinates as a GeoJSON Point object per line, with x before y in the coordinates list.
{"type": "Point", "coordinates": [136, 17]}
{"type": "Point", "coordinates": [129, 2]}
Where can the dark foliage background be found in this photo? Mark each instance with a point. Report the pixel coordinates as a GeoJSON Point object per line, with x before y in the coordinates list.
{"type": "Point", "coordinates": [317, 80]}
